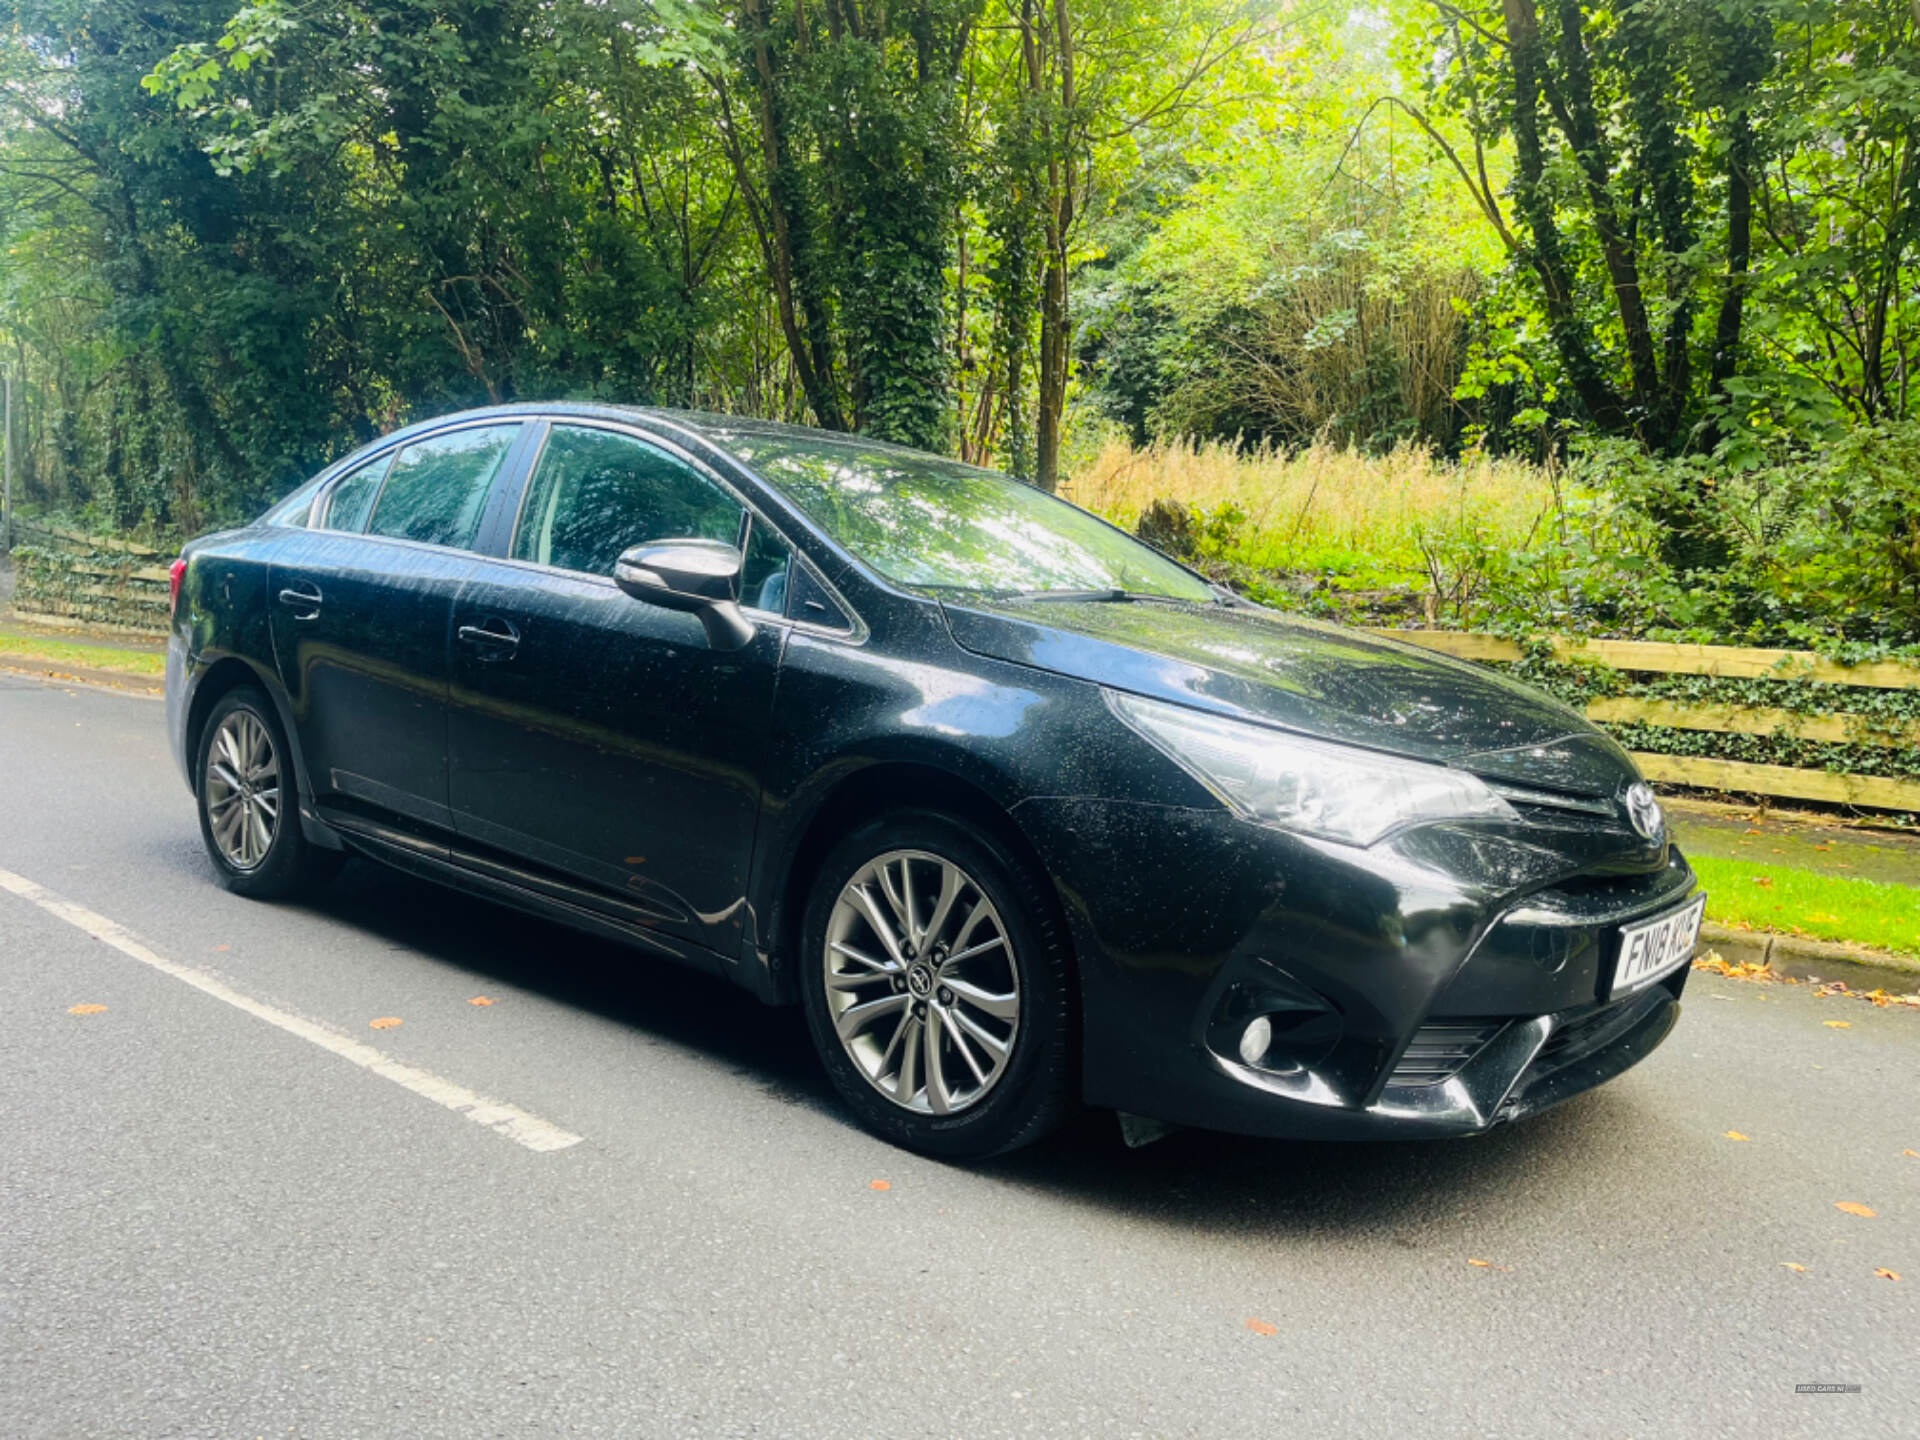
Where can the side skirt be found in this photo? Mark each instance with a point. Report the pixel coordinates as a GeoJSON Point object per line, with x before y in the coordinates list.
{"type": "Point", "coordinates": [431, 860]}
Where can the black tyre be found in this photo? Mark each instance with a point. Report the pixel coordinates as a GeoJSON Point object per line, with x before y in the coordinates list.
{"type": "Point", "coordinates": [249, 803]}
{"type": "Point", "coordinates": [938, 989]}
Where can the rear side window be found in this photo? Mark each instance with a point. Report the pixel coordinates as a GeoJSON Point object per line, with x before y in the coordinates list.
{"type": "Point", "coordinates": [350, 499]}
{"type": "Point", "coordinates": [297, 508]}
{"type": "Point", "coordinates": [597, 493]}
{"type": "Point", "coordinates": [438, 487]}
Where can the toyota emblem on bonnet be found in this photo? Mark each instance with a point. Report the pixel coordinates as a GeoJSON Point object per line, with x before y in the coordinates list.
{"type": "Point", "coordinates": [1644, 811]}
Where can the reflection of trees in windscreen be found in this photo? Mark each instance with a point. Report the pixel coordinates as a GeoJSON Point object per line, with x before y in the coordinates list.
{"type": "Point", "coordinates": [930, 524]}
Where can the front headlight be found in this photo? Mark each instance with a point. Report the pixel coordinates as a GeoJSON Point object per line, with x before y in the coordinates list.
{"type": "Point", "coordinates": [1333, 791]}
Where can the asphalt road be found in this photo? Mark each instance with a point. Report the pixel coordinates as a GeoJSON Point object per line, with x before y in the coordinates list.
{"type": "Point", "coordinates": [212, 1224]}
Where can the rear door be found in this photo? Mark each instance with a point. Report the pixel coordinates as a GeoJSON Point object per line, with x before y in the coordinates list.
{"type": "Point", "coordinates": [360, 606]}
{"type": "Point", "coordinates": [595, 738]}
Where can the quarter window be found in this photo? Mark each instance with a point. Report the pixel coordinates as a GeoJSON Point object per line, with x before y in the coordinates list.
{"type": "Point", "coordinates": [438, 487]}
{"type": "Point", "coordinates": [351, 499]}
{"type": "Point", "coordinates": [297, 509]}
{"type": "Point", "coordinates": [596, 493]}
{"type": "Point", "coordinates": [767, 569]}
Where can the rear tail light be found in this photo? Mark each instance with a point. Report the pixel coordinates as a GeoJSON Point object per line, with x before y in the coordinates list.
{"type": "Point", "coordinates": [176, 572]}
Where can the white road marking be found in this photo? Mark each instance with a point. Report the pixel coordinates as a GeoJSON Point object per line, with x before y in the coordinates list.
{"type": "Point", "coordinates": [509, 1120]}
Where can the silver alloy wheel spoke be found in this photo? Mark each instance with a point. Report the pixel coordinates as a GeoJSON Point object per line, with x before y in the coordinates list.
{"type": "Point", "coordinates": [937, 1096]}
{"type": "Point", "coordinates": [242, 790]}
{"type": "Point", "coordinates": [1001, 1007]}
{"type": "Point", "coordinates": [878, 968]}
{"type": "Point", "coordinates": [931, 1025]}
{"type": "Point", "coordinates": [904, 1088]}
{"type": "Point", "coordinates": [992, 1044]}
{"type": "Point", "coordinates": [856, 1018]}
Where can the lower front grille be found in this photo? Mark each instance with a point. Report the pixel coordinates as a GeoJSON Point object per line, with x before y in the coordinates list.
{"type": "Point", "coordinates": [1579, 1033]}
{"type": "Point", "coordinates": [1438, 1052]}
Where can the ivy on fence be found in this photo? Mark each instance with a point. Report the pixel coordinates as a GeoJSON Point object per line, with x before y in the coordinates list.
{"type": "Point", "coordinates": [66, 575]}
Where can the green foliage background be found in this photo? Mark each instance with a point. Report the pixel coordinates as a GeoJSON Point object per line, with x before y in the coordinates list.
{"type": "Point", "coordinates": [1664, 249]}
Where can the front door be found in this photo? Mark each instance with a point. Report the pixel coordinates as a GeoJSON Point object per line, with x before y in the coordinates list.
{"type": "Point", "coordinates": [597, 739]}
{"type": "Point", "coordinates": [360, 608]}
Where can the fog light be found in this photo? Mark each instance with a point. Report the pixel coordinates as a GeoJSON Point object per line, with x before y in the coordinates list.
{"type": "Point", "coordinates": [1255, 1039]}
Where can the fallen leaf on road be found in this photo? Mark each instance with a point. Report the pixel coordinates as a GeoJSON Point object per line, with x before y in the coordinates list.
{"type": "Point", "coordinates": [85, 1009]}
{"type": "Point", "coordinates": [1911, 1154]}
{"type": "Point", "coordinates": [1736, 1135]}
{"type": "Point", "coordinates": [223, 947]}
{"type": "Point", "coordinates": [1489, 1265]}
{"type": "Point", "coordinates": [1879, 998]}
{"type": "Point", "coordinates": [1854, 1207]}
{"type": "Point", "coordinates": [481, 1000]}
{"type": "Point", "coordinates": [881, 1185]}
{"type": "Point", "coordinates": [1743, 970]}
{"type": "Point", "coordinates": [1886, 1274]}
{"type": "Point", "coordinates": [1838, 1024]}
{"type": "Point", "coordinates": [1789, 1265]}
{"type": "Point", "coordinates": [1262, 1327]}
{"type": "Point", "coordinates": [385, 1022]}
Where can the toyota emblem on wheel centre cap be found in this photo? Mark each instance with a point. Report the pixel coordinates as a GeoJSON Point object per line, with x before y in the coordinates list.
{"type": "Point", "coordinates": [1644, 811]}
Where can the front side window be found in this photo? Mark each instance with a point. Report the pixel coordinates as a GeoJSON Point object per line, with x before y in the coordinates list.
{"type": "Point", "coordinates": [597, 493]}
{"type": "Point", "coordinates": [438, 487]}
{"type": "Point", "coordinates": [924, 521]}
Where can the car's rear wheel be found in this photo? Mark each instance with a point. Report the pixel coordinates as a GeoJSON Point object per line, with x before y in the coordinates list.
{"type": "Point", "coordinates": [936, 983]}
{"type": "Point", "coordinates": [249, 805]}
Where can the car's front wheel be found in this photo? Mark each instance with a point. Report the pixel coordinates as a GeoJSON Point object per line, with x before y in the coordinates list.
{"type": "Point", "coordinates": [249, 805]}
{"type": "Point", "coordinates": [937, 987]}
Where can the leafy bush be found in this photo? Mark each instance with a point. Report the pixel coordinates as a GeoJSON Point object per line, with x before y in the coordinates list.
{"type": "Point", "coordinates": [1816, 551]}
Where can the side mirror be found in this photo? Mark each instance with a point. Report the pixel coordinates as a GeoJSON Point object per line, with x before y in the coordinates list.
{"type": "Point", "coordinates": [701, 577]}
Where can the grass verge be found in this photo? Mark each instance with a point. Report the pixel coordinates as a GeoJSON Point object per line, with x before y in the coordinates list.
{"type": "Point", "coordinates": [1356, 520]}
{"type": "Point", "coordinates": [83, 657]}
{"type": "Point", "coordinates": [1805, 902]}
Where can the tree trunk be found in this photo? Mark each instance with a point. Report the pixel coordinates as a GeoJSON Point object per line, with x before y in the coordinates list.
{"type": "Point", "coordinates": [1535, 204]}
{"type": "Point", "coordinates": [783, 238]}
{"type": "Point", "coordinates": [1726, 329]}
{"type": "Point", "coordinates": [1623, 268]}
{"type": "Point", "coordinates": [1056, 321]}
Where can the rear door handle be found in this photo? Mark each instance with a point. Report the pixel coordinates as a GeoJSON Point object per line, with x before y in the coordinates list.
{"type": "Point", "coordinates": [307, 602]}
{"type": "Point", "coordinates": [492, 643]}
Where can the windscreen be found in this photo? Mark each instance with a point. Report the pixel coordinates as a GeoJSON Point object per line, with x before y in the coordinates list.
{"type": "Point", "coordinates": [924, 521]}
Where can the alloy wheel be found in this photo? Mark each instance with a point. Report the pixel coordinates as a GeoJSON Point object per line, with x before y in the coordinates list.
{"type": "Point", "coordinates": [921, 982]}
{"type": "Point", "coordinates": [243, 790]}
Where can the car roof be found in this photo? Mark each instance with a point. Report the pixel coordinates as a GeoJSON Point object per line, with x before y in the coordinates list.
{"type": "Point", "coordinates": [715, 428]}
{"type": "Point", "coordinates": [711, 427]}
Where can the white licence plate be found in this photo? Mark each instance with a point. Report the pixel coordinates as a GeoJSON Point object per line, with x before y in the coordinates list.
{"type": "Point", "coordinates": [1657, 947]}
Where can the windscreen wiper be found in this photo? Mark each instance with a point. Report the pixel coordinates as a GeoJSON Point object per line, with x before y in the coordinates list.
{"type": "Point", "coordinates": [1100, 597]}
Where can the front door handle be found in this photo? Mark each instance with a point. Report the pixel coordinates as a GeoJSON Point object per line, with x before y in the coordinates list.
{"type": "Point", "coordinates": [305, 602]}
{"type": "Point", "coordinates": [495, 640]}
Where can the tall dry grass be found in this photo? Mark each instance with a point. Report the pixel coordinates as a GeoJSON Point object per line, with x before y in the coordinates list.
{"type": "Point", "coordinates": [1304, 503]}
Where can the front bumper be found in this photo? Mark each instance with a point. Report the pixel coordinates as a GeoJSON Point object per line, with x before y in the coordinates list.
{"type": "Point", "coordinates": [1441, 983]}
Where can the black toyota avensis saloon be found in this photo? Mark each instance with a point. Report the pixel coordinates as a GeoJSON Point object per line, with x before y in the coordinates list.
{"type": "Point", "coordinates": [1020, 812]}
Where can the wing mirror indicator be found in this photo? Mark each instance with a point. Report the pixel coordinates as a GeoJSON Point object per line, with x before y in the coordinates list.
{"type": "Point", "coordinates": [700, 577]}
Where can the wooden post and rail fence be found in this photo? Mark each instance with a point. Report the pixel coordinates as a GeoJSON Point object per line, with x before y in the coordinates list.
{"type": "Point", "coordinates": [68, 579]}
{"type": "Point", "coordinates": [1727, 662]}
